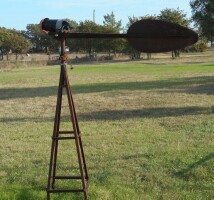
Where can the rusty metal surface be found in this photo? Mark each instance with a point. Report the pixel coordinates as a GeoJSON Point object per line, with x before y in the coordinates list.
{"type": "Point", "coordinates": [151, 36]}
{"type": "Point", "coordinates": [160, 36]}
{"type": "Point", "coordinates": [74, 135]}
{"type": "Point", "coordinates": [89, 35]}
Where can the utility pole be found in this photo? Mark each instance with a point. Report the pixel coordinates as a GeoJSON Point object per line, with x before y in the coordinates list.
{"type": "Point", "coordinates": [94, 15]}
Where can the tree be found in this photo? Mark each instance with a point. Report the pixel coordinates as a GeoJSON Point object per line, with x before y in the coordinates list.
{"type": "Point", "coordinates": [20, 44]}
{"type": "Point", "coordinates": [89, 45]}
{"type": "Point", "coordinates": [3, 33]}
{"type": "Point", "coordinates": [73, 44]}
{"type": "Point", "coordinates": [131, 21]}
{"type": "Point", "coordinates": [112, 26]}
{"type": "Point", "coordinates": [110, 20]}
{"type": "Point", "coordinates": [175, 16]}
{"type": "Point", "coordinates": [203, 16]}
{"type": "Point", "coordinates": [111, 45]}
{"type": "Point", "coordinates": [12, 40]}
{"type": "Point", "coordinates": [134, 54]}
{"type": "Point", "coordinates": [40, 41]}
{"type": "Point", "coordinates": [34, 35]}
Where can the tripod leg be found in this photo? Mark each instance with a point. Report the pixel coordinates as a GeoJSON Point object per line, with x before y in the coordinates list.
{"type": "Point", "coordinates": [64, 82]}
{"type": "Point", "coordinates": [48, 196]}
{"type": "Point", "coordinates": [79, 149]}
{"type": "Point", "coordinates": [77, 126]}
{"type": "Point", "coordinates": [83, 157]}
{"type": "Point", "coordinates": [58, 113]}
{"type": "Point", "coordinates": [54, 148]}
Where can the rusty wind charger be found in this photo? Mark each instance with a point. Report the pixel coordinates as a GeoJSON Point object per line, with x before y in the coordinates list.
{"type": "Point", "coordinates": [150, 36]}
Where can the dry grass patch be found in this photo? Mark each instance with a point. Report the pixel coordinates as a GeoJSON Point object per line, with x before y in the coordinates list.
{"type": "Point", "coordinates": [147, 130]}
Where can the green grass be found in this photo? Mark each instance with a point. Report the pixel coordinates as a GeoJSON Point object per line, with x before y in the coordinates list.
{"type": "Point", "coordinates": [147, 131]}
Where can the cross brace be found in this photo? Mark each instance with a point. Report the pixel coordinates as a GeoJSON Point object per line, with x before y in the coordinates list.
{"type": "Point", "coordinates": [70, 135]}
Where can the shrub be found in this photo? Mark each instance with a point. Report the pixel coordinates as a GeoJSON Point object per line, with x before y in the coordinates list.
{"type": "Point", "coordinates": [200, 46]}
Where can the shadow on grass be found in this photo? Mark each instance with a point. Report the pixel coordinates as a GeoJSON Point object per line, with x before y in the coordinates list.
{"type": "Point", "coordinates": [11, 93]}
{"type": "Point", "coordinates": [120, 114]}
{"type": "Point", "coordinates": [184, 172]}
{"type": "Point", "coordinates": [141, 113]}
{"type": "Point", "coordinates": [206, 86]}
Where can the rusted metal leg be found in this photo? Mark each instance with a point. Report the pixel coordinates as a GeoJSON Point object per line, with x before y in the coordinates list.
{"type": "Point", "coordinates": [57, 126]}
{"type": "Point", "coordinates": [54, 148]}
{"type": "Point", "coordinates": [83, 158]}
{"type": "Point", "coordinates": [48, 196]}
{"type": "Point", "coordinates": [78, 142]}
{"type": "Point", "coordinates": [54, 165]}
{"type": "Point", "coordinates": [64, 82]}
{"type": "Point", "coordinates": [78, 130]}
{"type": "Point", "coordinates": [78, 133]}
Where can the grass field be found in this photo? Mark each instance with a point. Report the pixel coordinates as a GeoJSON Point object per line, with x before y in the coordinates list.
{"type": "Point", "coordinates": [147, 131]}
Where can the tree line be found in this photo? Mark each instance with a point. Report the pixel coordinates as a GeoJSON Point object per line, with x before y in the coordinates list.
{"type": "Point", "coordinates": [33, 40]}
{"type": "Point", "coordinates": [12, 41]}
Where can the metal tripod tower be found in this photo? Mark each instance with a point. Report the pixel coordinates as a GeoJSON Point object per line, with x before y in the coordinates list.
{"type": "Point", "coordinates": [66, 135]}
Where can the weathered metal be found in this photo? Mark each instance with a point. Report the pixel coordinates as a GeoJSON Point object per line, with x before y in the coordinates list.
{"type": "Point", "coordinates": [156, 36]}
{"type": "Point", "coordinates": [150, 36]}
{"type": "Point", "coordinates": [57, 136]}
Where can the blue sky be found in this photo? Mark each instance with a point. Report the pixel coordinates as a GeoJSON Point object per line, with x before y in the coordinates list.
{"type": "Point", "coordinates": [18, 13]}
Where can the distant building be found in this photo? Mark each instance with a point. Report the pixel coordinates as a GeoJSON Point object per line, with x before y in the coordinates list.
{"type": "Point", "coordinates": [209, 44]}
{"type": "Point", "coordinates": [66, 49]}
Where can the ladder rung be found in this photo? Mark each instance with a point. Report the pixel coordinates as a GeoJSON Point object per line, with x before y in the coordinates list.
{"type": "Point", "coordinates": [65, 190]}
{"type": "Point", "coordinates": [66, 132]}
{"type": "Point", "coordinates": [63, 138]}
{"type": "Point", "coordinates": [68, 177]}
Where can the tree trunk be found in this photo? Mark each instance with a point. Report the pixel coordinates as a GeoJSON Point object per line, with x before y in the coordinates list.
{"type": "Point", "coordinates": [89, 52]}
{"type": "Point", "coordinates": [49, 55]}
{"type": "Point", "coordinates": [2, 54]}
{"type": "Point", "coordinates": [149, 56]}
{"type": "Point", "coordinates": [175, 54]}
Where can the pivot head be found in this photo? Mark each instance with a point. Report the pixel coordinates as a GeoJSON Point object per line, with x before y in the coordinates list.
{"type": "Point", "coordinates": [55, 26]}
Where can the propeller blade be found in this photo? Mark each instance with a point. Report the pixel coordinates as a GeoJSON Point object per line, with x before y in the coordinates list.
{"type": "Point", "coordinates": [154, 36]}
{"type": "Point", "coordinates": [151, 36]}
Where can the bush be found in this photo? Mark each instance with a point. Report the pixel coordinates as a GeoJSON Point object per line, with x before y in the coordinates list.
{"type": "Point", "coordinates": [200, 46]}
